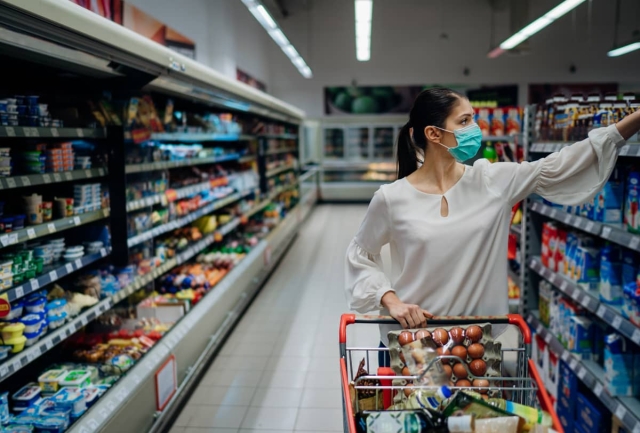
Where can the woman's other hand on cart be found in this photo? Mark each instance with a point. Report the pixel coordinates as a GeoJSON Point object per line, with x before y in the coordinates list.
{"type": "Point", "coordinates": [410, 316]}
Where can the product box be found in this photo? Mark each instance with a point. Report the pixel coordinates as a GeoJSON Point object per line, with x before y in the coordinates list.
{"type": "Point", "coordinates": [540, 353]}
{"type": "Point", "coordinates": [553, 373]}
{"type": "Point", "coordinates": [587, 272]}
{"type": "Point", "coordinates": [567, 396]}
{"type": "Point", "coordinates": [591, 415]}
{"type": "Point", "coordinates": [570, 254]}
{"type": "Point", "coordinates": [629, 266]}
{"type": "Point", "coordinates": [483, 119]}
{"type": "Point", "coordinates": [608, 203]}
{"type": "Point", "coordinates": [600, 331]}
{"type": "Point", "coordinates": [631, 217]}
{"type": "Point", "coordinates": [611, 275]}
{"type": "Point", "coordinates": [561, 250]}
{"type": "Point", "coordinates": [544, 301]}
{"type": "Point", "coordinates": [619, 366]}
{"type": "Point", "coordinates": [581, 337]}
{"type": "Point", "coordinates": [549, 236]}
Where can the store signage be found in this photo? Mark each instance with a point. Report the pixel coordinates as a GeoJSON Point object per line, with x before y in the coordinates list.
{"type": "Point", "coordinates": [166, 380]}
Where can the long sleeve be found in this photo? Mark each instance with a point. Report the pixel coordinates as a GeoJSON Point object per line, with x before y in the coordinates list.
{"type": "Point", "coordinates": [366, 282]}
{"type": "Point", "coordinates": [570, 177]}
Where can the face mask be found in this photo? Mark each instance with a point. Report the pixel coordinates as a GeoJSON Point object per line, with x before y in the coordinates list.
{"type": "Point", "coordinates": [469, 141]}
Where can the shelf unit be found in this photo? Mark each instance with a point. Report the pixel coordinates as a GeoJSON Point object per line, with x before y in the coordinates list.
{"type": "Point", "coordinates": [535, 212]}
{"type": "Point", "coordinates": [102, 49]}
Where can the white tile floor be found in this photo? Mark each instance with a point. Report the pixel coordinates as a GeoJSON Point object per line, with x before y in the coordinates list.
{"type": "Point", "coordinates": [279, 369]}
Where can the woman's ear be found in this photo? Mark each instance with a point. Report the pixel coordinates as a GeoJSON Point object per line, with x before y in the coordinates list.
{"type": "Point", "coordinates": [433, 134]}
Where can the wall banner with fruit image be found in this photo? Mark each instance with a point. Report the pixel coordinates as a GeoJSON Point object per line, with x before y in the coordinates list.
{"type": "Point", "coordinates": [346, 100]}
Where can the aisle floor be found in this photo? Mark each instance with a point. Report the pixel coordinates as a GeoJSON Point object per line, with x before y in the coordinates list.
{"type": "Point", "coordinates": [278, 371]}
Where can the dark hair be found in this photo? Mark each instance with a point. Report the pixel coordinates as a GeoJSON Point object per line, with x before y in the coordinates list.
{"type": "Point", "coordinates": [431, 108]}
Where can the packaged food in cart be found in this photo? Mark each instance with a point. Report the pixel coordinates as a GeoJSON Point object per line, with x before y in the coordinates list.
{"type": "Point", "coordinates": [445, 374]}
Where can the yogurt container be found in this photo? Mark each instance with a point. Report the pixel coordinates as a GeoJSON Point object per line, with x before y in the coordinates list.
{"type": "Point", "coordinates": [32, 323]}
{"type": "Point", "coordinates": [4, 408]}
{"type": "Point", "coordinates": [76, 378]}
{"type": "Point", "coordinates": [16, 428]}
{"type": "Point", "coordinates": [55, 322]}
{"type": "Point", "coordinates": [32, 338]}
{"type": "Point", "coordinates": [56, 308]}
{"type": "Point", "coordinates": [70, 398]}
{"type": "Point", "coordinates": [16, 311]}
{"type": "Point", "coordinates": [91, 395]}
{"type": "Point", "coordinates": [36, 305]}
{"type": "Point", "coordinates": [51, 424]}
{"type": "Point", "coordinates": [49, 381]}
{"type": "Point", "coordinates": [17, 344]}
{"type": "Point", "coordinates": [26, 396]}
{"type": "Point", "coordinates": [11, 331]}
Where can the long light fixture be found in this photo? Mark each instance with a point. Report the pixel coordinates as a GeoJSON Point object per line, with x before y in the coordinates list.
{"type": "Point", "coordinates": [624, 49]}
{"type": "Point", "coordinates": [261, 14]}
{"type": "Point", "coordinates": [364, 13]}
{"type": "Point", "coordinates": [533, 28]}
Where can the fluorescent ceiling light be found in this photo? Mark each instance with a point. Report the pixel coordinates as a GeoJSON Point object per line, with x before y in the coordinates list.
{"type": "Point", "coordinates": [264, 18]}
{"type": "Point", "coordinates": [364, 13]}
{"type": "Point", "coordinates": [537, 25]}
{"type": "Point", "coordinates": [624, 50]}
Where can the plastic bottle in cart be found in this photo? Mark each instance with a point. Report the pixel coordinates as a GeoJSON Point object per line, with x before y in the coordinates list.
{"type": "Point", "coordinates": [428, 398]}
{"type": "Point", "coordinates": [419, 421]}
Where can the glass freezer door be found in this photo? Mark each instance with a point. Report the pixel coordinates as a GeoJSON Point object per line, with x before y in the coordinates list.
{"type": "Point", "coordinates": [334, 143]}
{"type": "Point", "coordinates": [357, 143]}
{"type": "Point", "coordinates": [383, 138]}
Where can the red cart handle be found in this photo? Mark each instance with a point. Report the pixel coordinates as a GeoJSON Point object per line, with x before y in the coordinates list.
{"type": "Point", "coordinates": [511, 319]}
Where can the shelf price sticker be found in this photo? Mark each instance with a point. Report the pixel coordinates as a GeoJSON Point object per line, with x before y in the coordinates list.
{"type": "Point", "coordinates": [57, 177]}
{"type": "Point", "coordinates": [4, 370]}
{"type": "Point", "coordinates": [634, 242]}
{"type": "Point", "coordinates": [621, 411]}
{"type": "Point", "coordinates": [11, 132]}
{"type": "Point", "coordinates": [53, 275]}
{"type": "Point", "coordinates": [11, 182]}
{"type": "Point", "coordinates": [582, 373]}
{"type": "Point", "coordinates": [589, 226]}
{"type": "Point", "coordinates": [601, 311]}
{"type": "Point", "coordinates": [51, 227]}
{"type": "Point", "coordinates": [598, 389]}
{"type": "Point", "coordinates": [547, 338]}
{"type": "Point", "coordinates": [46, 178]}
{"type": "Point", "coordinates": [19, 292]}
{"type": "Point", "coordinates": [565, 356]}
{"type": "Point", "coordinates": [25, 180]}
{"type": "Point", "coordinates": [80, 132]}
{"type": "Point", "coordinates": [635, 337]}
{"type": "Point", "coordinates": [567, 218]}
{"type": "Point", "coordinates": [606, 232]}
{"type": "Point", "coordinates": [54, 132]}
{"type": "Point", "coordinates": [35, 284]}
{"type": "Point", "coordinates": [573, 364]}
{"type": "Point", "coordinates": [68, 175]}
{"type": "Point", "coordinates": [69, 268]}
{"type": "Point", "coordinates": [31, 233]}
{"type": "Point", "coordinates": [617, 321]}
{"type": "Point", "coordinates": [76, 220]}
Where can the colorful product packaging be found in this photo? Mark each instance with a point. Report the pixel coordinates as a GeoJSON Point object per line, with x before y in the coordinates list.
{"type": "Point", "coordinates": [561, 250]}
{"type": "Point", "coordinates": [619, 366]}
{"type": "Point", "coordinates": [631, 217]}
{"type": "Point", "coordinates": [587, 271]}
{"type": "Point", "coordinates": [611, 275]}
{"type": "Point", "coordinates": [567, 396]}
{"type": "Point", "coordinates": [608, 203]}
{"type": "Point", "coordinates": [581, 337]}
{"type": "Point", "coordinates": [591, 415]}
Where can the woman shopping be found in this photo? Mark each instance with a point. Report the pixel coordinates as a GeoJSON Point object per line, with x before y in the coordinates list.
{"type": "Point", "coordinates": [447, 223]}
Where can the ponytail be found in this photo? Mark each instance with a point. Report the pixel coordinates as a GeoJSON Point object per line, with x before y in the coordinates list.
{"type": "Point", "coordinates": [431, 108]}
{"type": "Point", "coordinates": [407, 152]}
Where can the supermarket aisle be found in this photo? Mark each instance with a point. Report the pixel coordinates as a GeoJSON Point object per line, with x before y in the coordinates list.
{"type": "Point", "coordinates": [279, 369]}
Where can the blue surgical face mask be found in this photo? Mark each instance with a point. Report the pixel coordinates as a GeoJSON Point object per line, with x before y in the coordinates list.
{"type": "Point", "coordinates": [469, 141]}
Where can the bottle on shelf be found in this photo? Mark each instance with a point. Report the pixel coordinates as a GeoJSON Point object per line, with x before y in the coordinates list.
{"type": "Point", "coordinates": [418, 421]}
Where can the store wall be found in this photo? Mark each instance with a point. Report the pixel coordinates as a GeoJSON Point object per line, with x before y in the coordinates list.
{"type": "Point", "coordinates": [226, 34]}
{"type": "Point", "coordinates": [408, 47]}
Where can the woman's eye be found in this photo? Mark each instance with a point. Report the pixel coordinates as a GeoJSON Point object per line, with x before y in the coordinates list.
{"type": "Point", "coordinates": [465, 121]}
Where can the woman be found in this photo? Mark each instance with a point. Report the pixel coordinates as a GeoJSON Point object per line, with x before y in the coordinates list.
{"type": "Point", "coordinates": [447, 223]}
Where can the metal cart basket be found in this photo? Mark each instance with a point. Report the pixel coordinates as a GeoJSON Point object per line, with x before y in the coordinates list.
{"type": "Point", "coordinates": [525, 388]}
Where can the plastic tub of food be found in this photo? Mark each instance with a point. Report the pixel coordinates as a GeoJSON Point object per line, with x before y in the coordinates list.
{"type": "Point", "coordinates": [17, 344]}
{"type": "Point", "coordinates": [51, 424]}
{"type": "Point", "coordinates": [76, 378]}
{"type": "Point", "coordinates": [16, 428]}
{"type": "Point", "coordinates": [26, 396]}
{"type": "Point", "coordinates": [4, 352]}
{"type": "Point", "coordinates": [16, 310]}
{"type": "Point", "coordinates": [56, 308]}
{"type": "Point", "coordinates": [36, 305]}
{"type": "Point", "coordinates": [50, 380]}
{"type": "Point", "coordinates": [18, 222]}
{"type": "Point", "coordinates": [54, 322]}
{"type": "Point", "coordinates": [32, 323]}
{"type": "Point", "coordinates": [32, 338]}
{"type": "Point", "coordinates": [74, 249]}
{"type": "Point", "coordinates": [70, 398]}
{"type": "Point", "coordinates": [11, 331]}
{"type": "Point", "coordinates": [91, 395]}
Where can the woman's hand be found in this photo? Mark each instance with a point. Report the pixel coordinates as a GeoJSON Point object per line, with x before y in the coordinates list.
{"type": "Point", "coordinates": [409, 315]}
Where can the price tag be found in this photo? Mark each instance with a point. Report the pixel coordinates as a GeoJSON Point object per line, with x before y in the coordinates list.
{"type": "Point", "coordinates": [83, 321]}
{"type": "Point", "coordinates": [10, 131]}
{"type": "Point", "coordinates": [69, 268]}
{"type": "Point", "coordinates": [19, 292]}
{"type": "Point", "coordinates": [51, 227]}
{"type": "Point", "coordinates": [617, 321]}
{"type": "Point", "coordinates": [11, 182]}
{"type": "Point", "coordinates": [565, 356]}
{"type": "Point", "coordinates": [567, 219]}
{"type": "Point", "coordinates": [57, 177]}
{"type": "Point", "coordinates": [35, 284]}
{"type": "Point", "coordinates": [149, 201]}
{"type": "Point", "coordinates": [13, 239]}
{"type": "Point", "coordinates": [68, 175]}
{"type": "Point", "coordinates": [103, 252]}
{"type": "Point", "coordinates": [54, 132]}
{"type": "Point", "coordinates": [585, 301]}
{"type": "Point", "coordinates": [80, 132]}
{"type": "Point", "coordinates": [101, 171]}
{"type": "Point", "coordinates": [105, 212]}
{"type": "Point", "coordinates": [601, 311]}
{"type": "Point", "coordinates": [46, 178]}
{"type": "Point", "coordinates": [553, 213]}
{"type": "Point", "coordinates": [573, 364]}
{"type": "Point", "coordinates": [547, 338]}
{"type": "Point", "coordinates": [31, 233]}
{"type": "Point", "coordinates": [76, 220]}
{"type": "Point", "coordinates": [4, 370]}
{"type": "Point", "coordinates": [563, 285]}
{"type": "Point", "coordinates": [31, 356]}
{"type": "Point", "coordinates": [582, 373]}
{"type": "Point", "coordinates": [25, 180]}
{"type": "Point", "coordinates": [606, 232]}
{"type": "Point", "coordinates": [87, 173]}
{"type": "Point", "coordinates": [78, 263]}
{"type": "Point", "coordinates": [598, 389]}
{"type": "Point", "coordinates": [53, 275]}
{"type": "Point", "coordinates": [634, 242]}
{"type": "Point", "coordinates": [635, 337]}
{"type": "Point", "coordinates": [17, 365]}
{"type": "Point", "coordinates": [621, 412]}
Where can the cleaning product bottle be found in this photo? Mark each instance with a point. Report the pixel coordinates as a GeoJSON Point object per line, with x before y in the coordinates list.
{"type": "Point", "coordinates": [490, 153]}
{"type": "Point", "coordinates": [419, 421]}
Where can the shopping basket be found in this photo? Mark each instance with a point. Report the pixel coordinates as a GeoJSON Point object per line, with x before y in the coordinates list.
{"type": "Point", "coordinates": [526, 388]}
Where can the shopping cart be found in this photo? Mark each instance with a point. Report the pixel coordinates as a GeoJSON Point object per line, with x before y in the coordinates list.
{"type": "Point", "coordinates": [526, 388]}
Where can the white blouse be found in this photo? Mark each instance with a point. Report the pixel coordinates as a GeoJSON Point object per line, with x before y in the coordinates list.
{"type": "Point", "coordinates": [456, 265]}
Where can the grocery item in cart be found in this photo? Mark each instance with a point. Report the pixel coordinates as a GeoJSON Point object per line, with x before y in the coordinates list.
{"type": "Point", "coordinates": [464, 403]}
{"type": "Point", "coordinates": [472, 356]}
{"type": "Point", "coordinates": [412, 421]}
{"type": "Point", "coordinates": [365, 399]}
